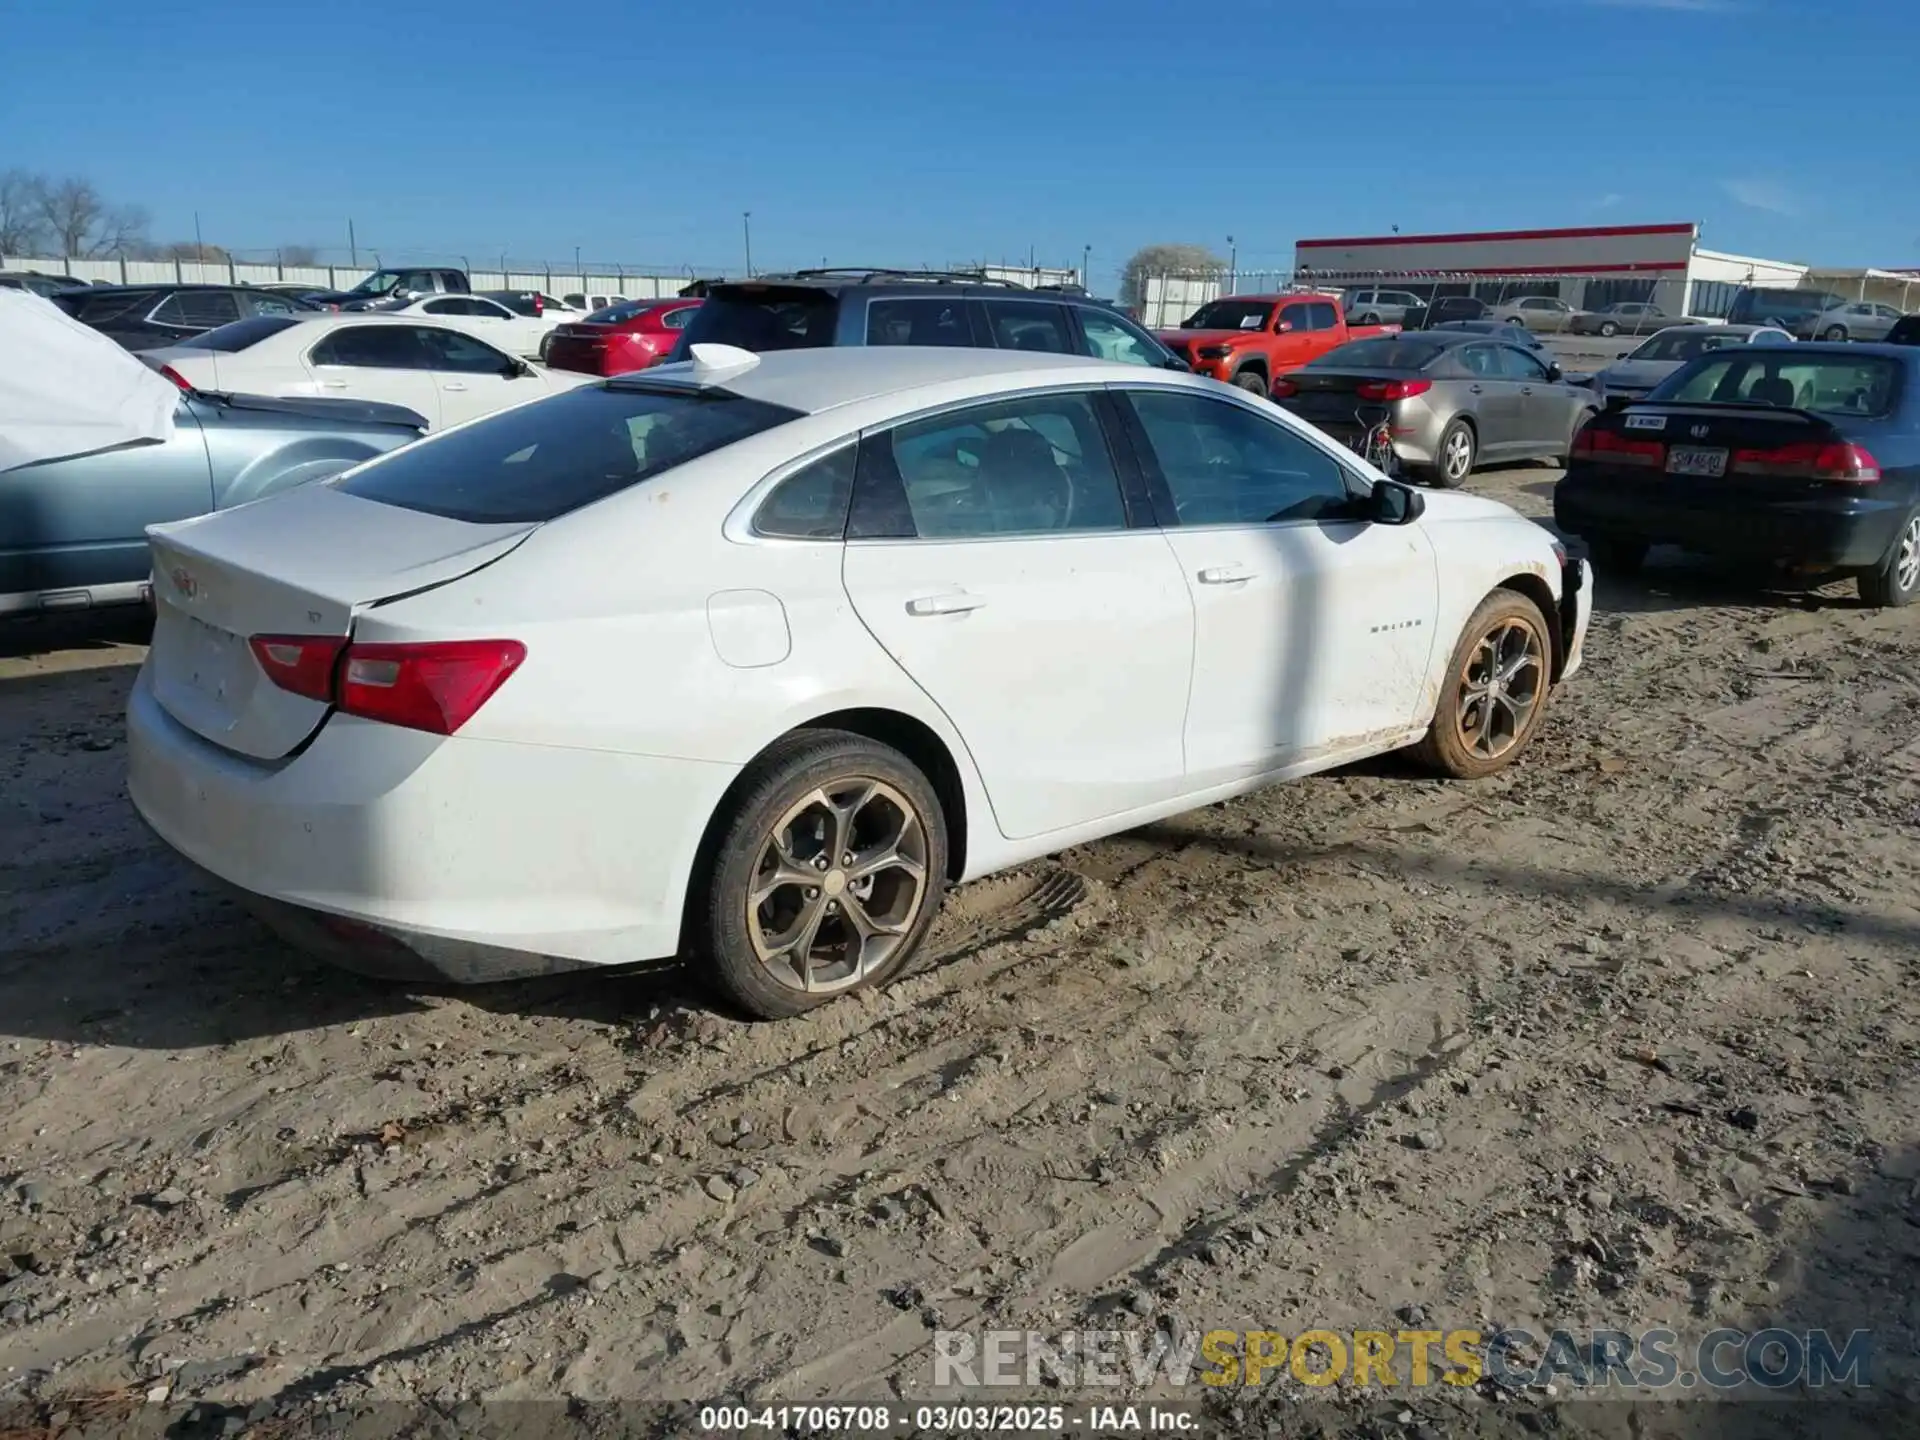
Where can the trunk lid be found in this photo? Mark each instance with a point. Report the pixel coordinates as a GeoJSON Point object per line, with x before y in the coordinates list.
{"type": "Point", "coordinates": [301, 563]}
{"type": "Point", "coordinates": [1719, 454]}
{"type": "Point", "coordinates": [1330, 398]}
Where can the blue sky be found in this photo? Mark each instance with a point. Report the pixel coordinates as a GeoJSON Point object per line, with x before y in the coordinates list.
{"type": "Point", "coordinates": [907, 131]}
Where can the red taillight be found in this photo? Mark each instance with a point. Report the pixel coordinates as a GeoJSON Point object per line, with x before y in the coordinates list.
{"type": "Point", "coordinates": [1388, 390]}
{"type": "Point", "coordinates": [167, 372]}
{"type": "Point", "coordinates": [1809, 459]}
{"type": "Point", "coordinates": [436, 687]}
{"type": "Point", "coordinates": [1612, 448]}
{"type": "Point", "coordinates": [302, 664]}
{"type": "Point", "coordinates": [539, 307]}
{"type": "Point", "coordinates": [1284, 389]}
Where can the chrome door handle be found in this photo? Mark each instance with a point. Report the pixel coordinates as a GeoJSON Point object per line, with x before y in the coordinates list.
{"type": "Point", "coordinates": [1225, 575]}
{"type": "Point", "coordinates": [454, 385]}
{"type": "Point", "coordinates": [1473, 389]}
{"type": "Point", "coordinates": [957, 604]}
{"type": "Point", "coordinates": [333, 384]}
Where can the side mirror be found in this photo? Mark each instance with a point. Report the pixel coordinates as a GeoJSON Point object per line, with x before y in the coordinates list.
{"type": "Point", "coordinates": [1391, 503]}
{"type": "Point", "coordinates": [1284, 326]}
{"type": "Point", "coordinates": [516, 369]}
{"type": "Point", "coordinates": [1174, 362]}
{"type": "Point", "coordinates": [1554, 372]}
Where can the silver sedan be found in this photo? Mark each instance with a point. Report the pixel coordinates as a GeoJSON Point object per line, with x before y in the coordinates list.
{"type": "Point", "coordinates": [1453, 399]}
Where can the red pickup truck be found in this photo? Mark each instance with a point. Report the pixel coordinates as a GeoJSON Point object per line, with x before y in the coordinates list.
{"type": "Point", "coordinates": [1252, 340]}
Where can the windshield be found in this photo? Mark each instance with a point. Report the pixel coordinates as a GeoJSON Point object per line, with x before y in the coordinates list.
{"type": "Point", "coordinates": [1387, 353]}
{"type": "Point", "coordinates": [378, 283]}
{"type": "Point", "coordinates": [761, 318]}
{"type": "Point", "coordinates": [1229, 315]}
{"type": "Point", "coordinates": [228, 339]}
{"type": "Point", "coordinates": [1684, 345]}
{"type": "Point", "coordinates": [1824, 384]}
{"type": "Point", "coordinates": [539, 461]}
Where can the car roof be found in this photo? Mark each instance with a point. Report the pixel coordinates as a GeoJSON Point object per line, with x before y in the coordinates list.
{"type": "Point", "coordinates": [823, 377]}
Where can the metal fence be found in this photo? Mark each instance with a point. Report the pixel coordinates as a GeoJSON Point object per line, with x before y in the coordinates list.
{"type": "Point", "coordinates": [1164, 300]}
{"type": "Point", "coordinates": [633, 282]}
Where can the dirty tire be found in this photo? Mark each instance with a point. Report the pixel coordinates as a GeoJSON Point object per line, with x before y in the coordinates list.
{"type": "Point", "coordinates": [1495, 690]}
{"type": "Point", "coordinates": [1896, 581]}
{"type": "Point", "coordinates": [1254, 381]}
{"type": "Point", "coordinates": [1453, 461]}
{"type": "Point", "coordinates": [813, 793]}
{"type": "Point", "coordinates": [1834, 332]}
{"type": "Point", "coordinates": [1608, 329]}
{"type": "Point", "coordinates": [1616, 555]}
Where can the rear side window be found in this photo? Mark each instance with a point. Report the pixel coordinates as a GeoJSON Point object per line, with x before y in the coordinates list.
{"type": "Point", "coordinates": [620, 314]}
{"type": "Point", "coordinates": [762, 318]}
{"type": "Point", "coordinates": [919, 322]}
{"type": "Point", "coordinates": [241, 335]}
{"type": "Point", "coordinates": [540, 461]}
{"type": "Point", "coordinates": [811, 503]}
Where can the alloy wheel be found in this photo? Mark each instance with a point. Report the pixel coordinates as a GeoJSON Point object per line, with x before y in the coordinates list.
{"type": "Point", "coordinates": [1458, 457]}
{"type": "Point", "coordinates": [840, 881]}
{"type": "Point", "coordinates": [1906, 559]}
{"type": "Point", "coordinates": [1501, 686]}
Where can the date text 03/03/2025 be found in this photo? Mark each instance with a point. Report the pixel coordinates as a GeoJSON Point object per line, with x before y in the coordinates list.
{"type": "Point", "coordinates": [940, 1418]}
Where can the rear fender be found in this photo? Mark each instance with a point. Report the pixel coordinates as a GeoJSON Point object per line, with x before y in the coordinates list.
{"type": "Point", "coordinates": [297, 462]}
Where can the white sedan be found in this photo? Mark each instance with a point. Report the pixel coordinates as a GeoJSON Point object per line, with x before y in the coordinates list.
{"type": "Point", "coordinates": [491, 321]}
{"type": "Point", "coordinates": [751, 658]}
{"type": "Point", "coordinates": [441, 373]}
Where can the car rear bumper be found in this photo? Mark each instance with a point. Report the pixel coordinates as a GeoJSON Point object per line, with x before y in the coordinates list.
{"type": "Point", "coordinates": [418, 855]}
{"type": "Point", "coordinates": [1576, 612]}
{"type": "Point", "coordinates": [1819, 532]}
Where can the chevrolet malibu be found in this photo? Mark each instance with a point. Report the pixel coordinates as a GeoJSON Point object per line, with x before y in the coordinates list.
{"type": "Point", "coordinates": [748, 658]}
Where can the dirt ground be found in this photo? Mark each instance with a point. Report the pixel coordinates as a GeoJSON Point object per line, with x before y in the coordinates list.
{"type": "Point", "coordinates": [1623, 1037]}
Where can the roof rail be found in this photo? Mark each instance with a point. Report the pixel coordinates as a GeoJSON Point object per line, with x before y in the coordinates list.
{"type": "Point", "coordinates": [881, 274]}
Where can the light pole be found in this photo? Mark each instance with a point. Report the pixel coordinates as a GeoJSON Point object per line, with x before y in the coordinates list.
{"type": "Point", "coordinates": [579, 274]}
{"type": "Point", "coordinates": [1086, 268]}
{"type": "Point", "coordinates": [746, 234]}
{"type": "Point", "coordinates": [1233, 264]}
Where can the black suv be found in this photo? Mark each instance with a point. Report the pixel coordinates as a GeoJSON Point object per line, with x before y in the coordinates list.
{"type": "Point", "coordinates": [145, 317]}
{"type": "Point", "coordinates": [811, 308]}
{"type": "Point", "coordinates": [1441, 309]}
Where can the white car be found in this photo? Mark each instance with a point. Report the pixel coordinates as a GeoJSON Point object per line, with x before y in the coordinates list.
{"type": "Point", "coordinates": [440, 372]}
{"type": "Point", "coordinates": [489, 320]}
{"type": "Point", "coordinates": [752, 657]}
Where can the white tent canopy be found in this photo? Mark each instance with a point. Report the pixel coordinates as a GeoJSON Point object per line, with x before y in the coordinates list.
{"type": "Point", "coordinates": [1898, 288]}
{"type": "Point", "coordinates": [68, 390]}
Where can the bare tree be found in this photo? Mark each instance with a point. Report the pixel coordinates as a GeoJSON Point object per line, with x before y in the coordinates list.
{"type": "Point", "coordinates": [1187, 260]}
{"type": "Point", "coordinates": [81, 223]}
{"type": "Point", "coordinates": [22, 216]}
{"type": "Point", "coordinates": [299, 255]}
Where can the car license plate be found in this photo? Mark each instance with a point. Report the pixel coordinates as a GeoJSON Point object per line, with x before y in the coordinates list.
{"type": "Point", "coordinates": [1696, 460]}
{"type": "Point", "coordinates": [213, 658]}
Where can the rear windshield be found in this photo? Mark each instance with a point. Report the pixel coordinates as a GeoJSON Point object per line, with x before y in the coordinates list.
{"type": "Point", "coordinates": [538, 461]}
{"type": "Point", "coordinates": [1229, 315]}
{"type": "Point", "coordinates": [1383, 354]}
{"type": "Point", "coordinates": [1685, 345]}
{"type": "Point", "coordinates": [1825, 384]}
{"type": "Point", "coordinates": [762, 318]}
{"type": "Point", "coordinates": [97, 308]}
{"type": "Point", "coordinates": [239, 335]}
{"type": "Point", "coordinates": [621, 313]}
